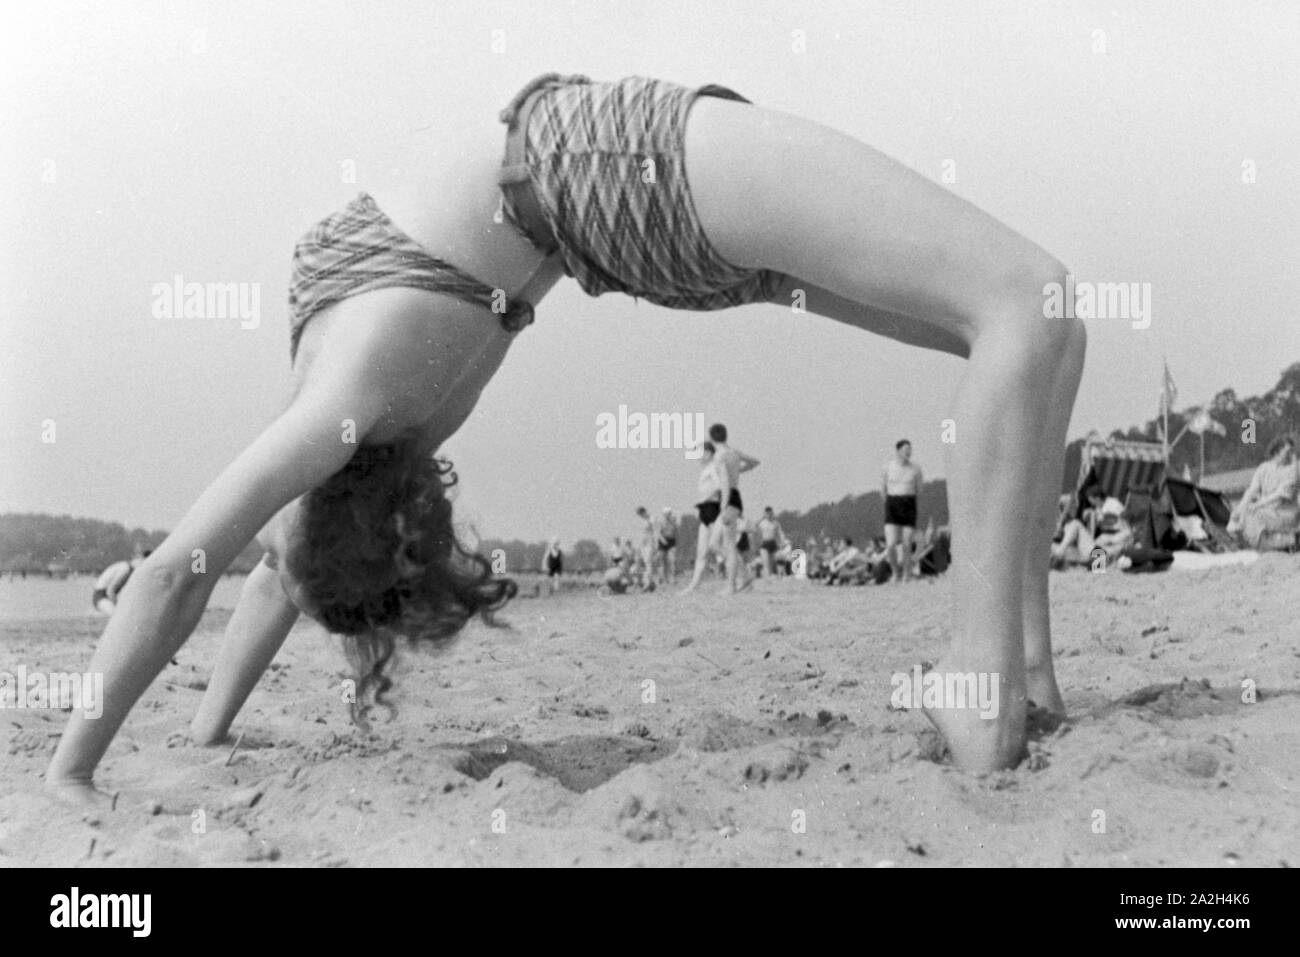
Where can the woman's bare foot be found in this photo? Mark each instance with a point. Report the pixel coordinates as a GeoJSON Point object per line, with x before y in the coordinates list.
{"type": "Point", "coordinates": [1041, 687]}
{"type": "Point", "coordinates": [984, 734]}
{"type": "Point", "coordinates": [80, 794]}
{"type": "Point", "coordinates": [208, 737]}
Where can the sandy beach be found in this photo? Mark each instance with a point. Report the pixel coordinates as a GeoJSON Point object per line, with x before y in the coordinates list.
{"type": "Point", "coordinates": [631, 731]}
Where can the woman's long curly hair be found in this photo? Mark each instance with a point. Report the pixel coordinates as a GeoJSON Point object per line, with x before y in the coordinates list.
{"type": "Point", "coordinates": [378, 559]}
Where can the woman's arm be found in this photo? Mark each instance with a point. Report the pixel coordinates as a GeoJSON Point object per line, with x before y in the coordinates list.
{"type": "Point", "coordinates": [257, 629]}
{"type": "Point", "coordinates": [298, 451]}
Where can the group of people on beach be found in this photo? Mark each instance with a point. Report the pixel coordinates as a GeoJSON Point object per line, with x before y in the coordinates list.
{"type": "Point", "coordinates": [648, 560]}
{"type": "Point", "coordinates": [1097, 529]}
{"type": "Point", "coordinates": [743, 549]}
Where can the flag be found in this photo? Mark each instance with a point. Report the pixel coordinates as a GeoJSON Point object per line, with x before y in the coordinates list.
{"type": "Point", "coordinates": [1171, 390]}
{"type": "Point", "coordinates": [1203, 422]}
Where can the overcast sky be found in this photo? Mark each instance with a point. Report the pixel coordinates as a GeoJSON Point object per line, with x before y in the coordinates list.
{"type": "Point", "coordinates": [141, 141]}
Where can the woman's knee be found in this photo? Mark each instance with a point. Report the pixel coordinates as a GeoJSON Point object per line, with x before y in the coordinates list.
{"type": "Point", "coordinates": [1022, 309]}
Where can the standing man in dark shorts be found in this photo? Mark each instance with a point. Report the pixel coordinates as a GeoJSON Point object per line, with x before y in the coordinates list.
{"type": "Point", "coordinates": [731, 463]}
{"type": "Point", "coordinates": [666, 544]}
{"type": "Point", "coordinates": [901, 479]}
{"type": "Point", "coordinates": [771, 538]}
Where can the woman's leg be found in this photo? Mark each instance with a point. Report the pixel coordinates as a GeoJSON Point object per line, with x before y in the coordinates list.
{"type": "Point", "coordinates": [1040, 675]}
{"type": "Point", "coordinates": [779, 192]}
{"type": "Point", "coordinates": [256, 630]}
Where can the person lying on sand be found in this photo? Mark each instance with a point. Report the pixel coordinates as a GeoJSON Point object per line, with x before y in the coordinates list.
{"type": "Point", "coordinates": [688, 197]}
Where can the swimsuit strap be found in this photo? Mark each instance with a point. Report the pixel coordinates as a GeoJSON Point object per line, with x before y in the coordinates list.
{"type": "Point", "coordinates": [544, 82]}
{"type": "Point", "coordinates": [518, 314]}
{"type": "Point", "coordinates": [453, 281]}
{"type": "Point", "coordinates": [519, 202]}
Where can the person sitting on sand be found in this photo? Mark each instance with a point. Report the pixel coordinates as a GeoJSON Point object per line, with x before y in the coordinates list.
{"type": "Point", "coordinates": [1102, 526]}
{"type": "Point", "coordinates": [402, 311]}
{"type": "Point", "coordinates": [876, 558]}
{"type": "Point", "coordinates": [826, 552]}
{"type": "Point", "coordinates": [112, 580]}
{"type": "Point", "coordinates": [617, 580]}
{"type": "Point", "coordinates": [846, 564]}
{"type": "Point", "coordinates": [1269, 510]}
{"type": "Point", "coordinates": [631, 559]}
{"type": "Point", "coordinates": [784, 558]}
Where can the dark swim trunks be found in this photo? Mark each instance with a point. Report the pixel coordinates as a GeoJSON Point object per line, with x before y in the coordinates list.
{"type": "Point", "coordinates": [742, 543]}
{"type": "Point", "coordinates": [358, 249]}
{"type": "Point", "coordinates": [554, 565]}
{"type": "Point", "coordinates": [607, 172]}
{"type": "Point", "coordinates": [769, 546]}
{"type": "Point", "coordinates": [709, 512]}
{"type": "Point", "coordinates": [900, 510]}
{"type": "Point", "coordinates": [667, 544]}
{"type": "Point", "coordinates": [734, 500]}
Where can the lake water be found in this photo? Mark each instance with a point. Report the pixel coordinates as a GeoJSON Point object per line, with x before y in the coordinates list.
{"type": "Point", "coordinates": [46, 598]}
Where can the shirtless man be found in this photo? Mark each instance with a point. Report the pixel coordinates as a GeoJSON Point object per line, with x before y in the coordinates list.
{"type": "Point", "coordinates": [666, 544]}
{"type": "Point", "coordinates": [646, 544]}
{"type": "Point", "coordinates": [901, 479]}
{"type": "Point", "coordinates": [770, 537]}
{"type": "Point", "coordinates": [731, 463]}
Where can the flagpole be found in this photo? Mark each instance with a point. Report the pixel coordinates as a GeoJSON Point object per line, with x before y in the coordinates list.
{"type": "Point", "coordinates": [1164, 405]}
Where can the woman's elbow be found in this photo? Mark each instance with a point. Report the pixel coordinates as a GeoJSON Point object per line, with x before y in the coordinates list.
{"type": "Point", "coordinates": [171, 576]}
